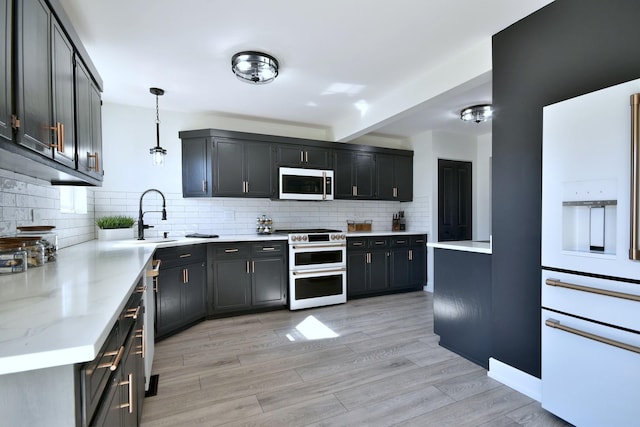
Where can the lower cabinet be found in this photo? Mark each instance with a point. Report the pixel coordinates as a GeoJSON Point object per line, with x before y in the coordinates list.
{"type": "Point", "coordinates": [180, 288]}
{"type": "Point", "coordinates": [247, 275]}
{"type": "Point", "coordinates": [113, 384]}
{"type": "Point", "coordinates": [379, 265]}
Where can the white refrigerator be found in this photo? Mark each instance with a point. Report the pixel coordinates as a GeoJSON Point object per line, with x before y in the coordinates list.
{"type": "Point", "coordinates": [590, 284]}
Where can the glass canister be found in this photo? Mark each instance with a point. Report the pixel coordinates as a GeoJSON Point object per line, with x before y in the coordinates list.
{"type": "Point", "coordinates": [32, 245]}
{"type": "Point", "coordinates": [48, 238]}
{"type": "Point", "coordinates": [13, 259]}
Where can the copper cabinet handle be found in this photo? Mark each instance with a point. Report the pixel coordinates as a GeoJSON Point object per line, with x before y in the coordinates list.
{"type": "Point", "coordinates": [185, 275]}
{"type": "Point", "coordinates": [358, 244]}
{"type": "Point", "coordinates": [133, 312]}
{"type": "Point", "coordinates": [113, 365]}
{"type": "Point", "coordinates": [354, 190]}
{"type": "Point", "coordinates": [301, 156]}
{"type": "Point", "coordinates": [395, 191]}
{"type": "Point", "coordinates": [61, 136]}
{"type": "Point", "coordinates": [410, 254]}
{"type": "Point", "coordinates": [606, 292]}
{"type": "Point", "coordinates": [140, 333]}
{"type": "Point", "coordinates": [553, 323]}
{"type": "Point", "coordinates": [128, 383]}
{"type": "Point", "coordinates": [634, 247]}
{"type": "Point", "coordinates": [306, 157]}
{"type": "Point", "coordinates": [204, 186]}
{"type": "Point", "coordinates": [247, 266]}
{"type": "Point", "coordinates": [59, 145]}
{"type": "Point", "coordinates": [230, 251]}
{"type": "Point", "coordinates": [253, 266]}
{"type": "Point", "coordinates": [155, 271]}
{"type": "Point", "coordinates": [96, 166]}
{"type": "Point", "coordinates": [268, 248]}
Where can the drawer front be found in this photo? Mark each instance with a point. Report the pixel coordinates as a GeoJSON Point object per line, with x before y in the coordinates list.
{"type": "Point", "coordinates": [587, 302]}
{"type": "Point", "coordinates": [378, 242]}
{"type": "Point", "coordinates": [268, 249]}
{"type": "Point", "coordinates": [231, 251]}
{"type": "Point", "coordinates": [94, 375]}
{"type": "Point", "coordinates": [181, 255]}
{"type": "Point", "coordinates": [400, 241]}
{"type": "Point", "coordinates": [357, 243]}
{"type": "Point", "coordinates": [419, 240]}
{"type": "Point", "coordinates": [584, 380]}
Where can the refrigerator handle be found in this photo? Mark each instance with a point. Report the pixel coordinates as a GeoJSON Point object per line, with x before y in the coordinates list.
{"type": "Point", "coordinates": [634, 248]}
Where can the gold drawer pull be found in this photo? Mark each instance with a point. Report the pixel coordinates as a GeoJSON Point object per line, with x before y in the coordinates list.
{"type": "Point", "coordinates": [113, 365]}
{"type": "Point", "coordinates": [185, 255]}
{"type": "Point", "coordinates": [133, 313]}
{"type": "Point", "coordinates": [129, 384]}
{"type": "Point", "coordinates": [230, 251]}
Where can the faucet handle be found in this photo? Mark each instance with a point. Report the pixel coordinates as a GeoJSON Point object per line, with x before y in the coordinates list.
{"type": "Point", "coordinates": [147, 226]}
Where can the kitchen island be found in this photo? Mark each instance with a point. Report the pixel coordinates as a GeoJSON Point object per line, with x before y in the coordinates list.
{"type": "Point", "coordinates": [462, 298]}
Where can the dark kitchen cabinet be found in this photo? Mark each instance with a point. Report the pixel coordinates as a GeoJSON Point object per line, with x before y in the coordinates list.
{"type": "Point", "coordinates": [303, 156]}
{"type": "Point", "coordinates": [181, 288]}
{"type": "Point", "coordinates": [242, 168]}
{"type": "Point", "coordinates": [196, 167]}
{"type": "Point", "coordinates": [378, 265]}
{"type": "Point", "coordinates": [88, 123]}
{"type": "Point", "coordinates": [354, 174]}
{"type": "Point", "coordinates": [45, 95]}
{"type": "Point", "coordinates": [367, 265]}
{"type": "Point", "coordinates": [408, 261]}
{"type": "Point", "coordinates": [462, 303]}
{"type": "Point", "coordinates": [6, 87]}
{"type": "Point", "coordinates": [394, 177]}
{"type": "Point", "coordinates": [247, 276]}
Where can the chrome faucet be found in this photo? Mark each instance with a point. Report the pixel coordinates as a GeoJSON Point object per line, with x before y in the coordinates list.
{"type": "Point", "coordinates": [141, 225]}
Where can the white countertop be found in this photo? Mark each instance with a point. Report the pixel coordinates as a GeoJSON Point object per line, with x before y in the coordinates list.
{"type": "Point", "coordinates": [464, 245]}
{"type": "Point", "coordinates": [61, 313]}
{"type": "Point", "coordinates": [384, 233]}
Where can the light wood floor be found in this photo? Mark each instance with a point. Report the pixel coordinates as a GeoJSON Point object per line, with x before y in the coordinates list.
{"type": "Point", "coordinates": [384, 367]}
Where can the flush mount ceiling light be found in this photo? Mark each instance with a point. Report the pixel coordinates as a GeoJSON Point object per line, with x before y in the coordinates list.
{"type": "Point", "coordinates": [157, 152]}
{"type": "Point", "coordinates": [477, 113]}
{"type": "Point", "coordinates": [254, 67]}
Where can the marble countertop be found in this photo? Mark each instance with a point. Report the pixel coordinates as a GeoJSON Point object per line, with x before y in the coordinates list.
{"type": "Point", "coordinates": [464, 245]}
{"type": "Point", "coordinates": [61, 313]}
{"type": "Point", "coordinates": [384, 233]}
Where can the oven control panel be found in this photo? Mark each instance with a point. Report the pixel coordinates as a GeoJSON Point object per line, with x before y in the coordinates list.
{"type": "Point", "coordinates": [317, 237]}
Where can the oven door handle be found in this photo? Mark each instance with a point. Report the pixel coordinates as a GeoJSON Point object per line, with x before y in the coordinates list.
{"type": "Point", "coordinates": [553, 323]}
{"type": "Point", "coordinates": [336, 270]}
{"type": "Point", "coordinates": [335, 245]}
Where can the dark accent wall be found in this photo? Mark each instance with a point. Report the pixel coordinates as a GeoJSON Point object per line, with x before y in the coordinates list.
{"type": "Point", "coordinates": [566, 49]}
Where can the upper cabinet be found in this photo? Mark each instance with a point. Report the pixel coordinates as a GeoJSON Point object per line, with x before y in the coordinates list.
{"type": "Point", "coordinates": [89, 123]}
{"type": "Point", "coordinates": [6, 89]}
{"type": "Point", "coordinates": [219, 163]}
{"type": "Point", "coordinates": [394, 177]}
{"type": "Point", "coordinates": [303, 156]}
{"type": "Point", "coordinates": [50, 112]}
{"type": "Point", "coordinates": [242, 168]}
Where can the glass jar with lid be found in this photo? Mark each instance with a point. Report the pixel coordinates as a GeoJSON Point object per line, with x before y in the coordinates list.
{"type": "Point", "coordinates": [13, 259]}
{"type": "Point", "coordinates": [48, 238]}
{"type": "Point", "coordinates": [31, 245]}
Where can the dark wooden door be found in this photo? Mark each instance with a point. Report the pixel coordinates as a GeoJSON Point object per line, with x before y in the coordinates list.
{"type": "Point", "coordinates": [454, 200]}
{"type": "Point", "coordinates": [63, 96]}
{"type": "Point", "coordinates": [6, 86]}
{"type": "Point", "coordinates": [229, 168]}
{"type": "Point", "coordinates": [258, 169]}
{"type": "Point", "coordinates": [268, 280]}
{"type": "Point", "coordinates": [88, 123]}
{"type": "Point", "coordinates": [232, 284]}
{"type": "Point", "coordinates": [196, 167]}
{"type": "Point", "coordinates": [403, 178]}
{"type": "Point", "coordinates": [169, 301]}
{"type": "Point", "coordinates": [194, 292]}
{"type": "Point", "coordinates": [343, 163]}
{"type": "Point", "coordinates": [34, 76]}
{"type": "Point", "coordinates": [363, 172]}
{"type": "Point", "coordinates": [385, 182]}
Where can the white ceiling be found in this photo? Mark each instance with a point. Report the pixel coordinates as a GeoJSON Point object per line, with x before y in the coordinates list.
{"type": "Point", "coordinates": [334, 55]}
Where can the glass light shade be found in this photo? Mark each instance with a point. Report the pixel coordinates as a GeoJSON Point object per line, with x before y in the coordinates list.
{"type": "Point", "coordinates": [254, 67]}
{"type": "Point", "coordinates": [477, 113]}
{"type": "Point", "coordinates": [157, 155]}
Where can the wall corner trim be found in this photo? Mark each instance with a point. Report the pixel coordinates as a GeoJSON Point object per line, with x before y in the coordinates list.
{"type": "Point", "coordinates": [516, 379]}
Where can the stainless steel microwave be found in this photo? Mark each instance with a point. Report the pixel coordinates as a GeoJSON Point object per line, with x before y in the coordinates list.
{"type": "Point", "coordinates": [305, 184]}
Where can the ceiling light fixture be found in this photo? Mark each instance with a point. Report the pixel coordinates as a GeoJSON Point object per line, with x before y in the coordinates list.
{"type": "Point", "coordinates": [157, 152]}
{"type": "Point", "coordinates": [254, 67]}
{"type": "Point", "coordinates": [477, 113]}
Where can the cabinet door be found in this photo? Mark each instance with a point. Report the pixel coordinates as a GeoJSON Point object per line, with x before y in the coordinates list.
{"type": "Point", "coordinates": [169, 301]}
{"type": "Point", "coordinates": [384, 177]}
{"type": "Point", "coordinates": [418, 266]}
{"type": "Point", "coordinates": [109, 413]}
{"type": "Point", "coordinates": [399, 267]}
{"type": "Point", "coordinates": [194, 293]}
{"type": "Point", "coordinates": [229, 168]}
{"type": "Point", "coordinates": [6, 86]}
{"type": "Point", "coordinates": [128, 385]}
{"type": "Point", "coordinates": [232, 284]}
{"type": "Point", "coordinates": [363, 171]}
{"type": "Point", "coordinates": [34, 76]}
{"type": "Point", "coordinates": [269, 277]}
{"type": "Point", "coordinates": [290, 155]}
{"type": "Point", "coordinates": [88, 124]}
{"type": "Point", "coordinates": [343, 185]}
{"type": "Point", "coordinates": [317, 158]}
{"type": "Point", "coordinates": [63, 96]}
{"type": "Point", "coordinates": [258, 169]}
{"type": "Point", "coordinates": [356, 272]}
{"type": "Point", "coordinates": [378, 270]}
{"type": "Point", "coordinates": [196, 167]}
{"type": "Point", "coordinates": [403, 178]}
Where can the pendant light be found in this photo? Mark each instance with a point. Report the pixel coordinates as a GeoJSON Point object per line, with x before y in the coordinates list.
{"type": "Point", "coordinates": [477, 113]}
{"type": "Point", "coordinates": [157, 152]}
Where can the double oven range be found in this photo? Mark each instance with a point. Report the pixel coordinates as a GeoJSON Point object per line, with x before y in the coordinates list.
{"type": "Point", "coordinates": [317, 267]}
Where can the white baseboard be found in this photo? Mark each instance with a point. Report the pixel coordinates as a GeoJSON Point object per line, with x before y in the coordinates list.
{"type": "Point", "coordinates": [516, 379]}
